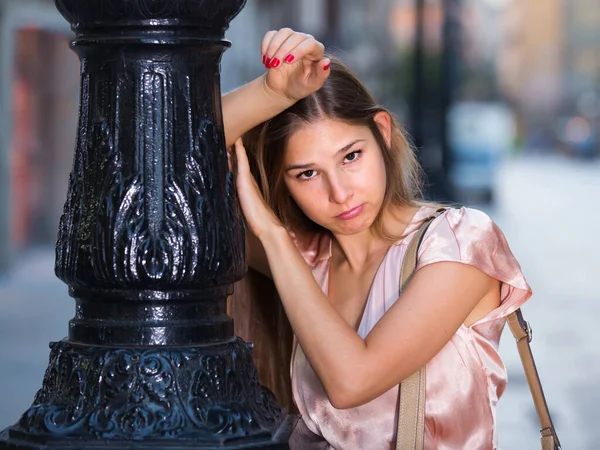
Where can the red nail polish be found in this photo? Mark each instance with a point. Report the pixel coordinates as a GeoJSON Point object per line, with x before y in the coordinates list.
{"type": "Point", "coordinates": [327, 66]}
{"type": "Point", "coordinates": [264, 59]}
{"type": "Point", "coordinates": [275, 62]}
{"type": "Point", "coordinates": [268, 63]}
{"type": "Point", "coordinates": [289, 58]}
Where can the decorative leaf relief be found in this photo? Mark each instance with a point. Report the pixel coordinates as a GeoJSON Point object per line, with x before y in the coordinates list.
{"type": "Point", "coordinates": [127, 253]}
{"type": "Point", "coordinates": [132, 394]}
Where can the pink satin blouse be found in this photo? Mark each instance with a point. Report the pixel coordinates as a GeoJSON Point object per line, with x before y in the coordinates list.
{"type": "Point", "coordinates": [464, 380]}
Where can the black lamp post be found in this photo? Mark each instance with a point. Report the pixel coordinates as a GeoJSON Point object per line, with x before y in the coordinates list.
{"type": "Point", "coordinates": [150, 244]}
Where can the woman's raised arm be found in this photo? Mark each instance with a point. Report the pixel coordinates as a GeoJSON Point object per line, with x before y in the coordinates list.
{"type": "Point", "coordinates": [296, 67]}
{"type": "Point", "coordinates": [249, 106]}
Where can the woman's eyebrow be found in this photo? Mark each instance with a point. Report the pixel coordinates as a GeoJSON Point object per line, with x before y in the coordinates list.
{"type": "Point", "coordinates": [347, 147]}
{"type": "Point", "coordinates": [310, 165]}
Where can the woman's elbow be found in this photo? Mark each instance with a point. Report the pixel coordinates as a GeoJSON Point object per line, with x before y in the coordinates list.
{"type": "Point", "coordinates": [344, 403]}
{"type": "Point", "coordinates": [346, 395]}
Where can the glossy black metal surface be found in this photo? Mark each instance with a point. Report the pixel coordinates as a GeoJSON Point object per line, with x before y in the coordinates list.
{"type": "Point", "coordinates": [168, 393]}
{"type": "Point", "coordinates": [151, 206]}
{"type": "Point", "coordinates": [150, 244]}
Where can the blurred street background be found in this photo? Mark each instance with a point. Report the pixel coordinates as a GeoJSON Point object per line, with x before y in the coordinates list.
{"type": "Point", "coordinates": [501, 97]}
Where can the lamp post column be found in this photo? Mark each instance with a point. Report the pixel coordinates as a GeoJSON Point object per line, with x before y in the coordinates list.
{"type": "Point", "coordinates": [150, 243]}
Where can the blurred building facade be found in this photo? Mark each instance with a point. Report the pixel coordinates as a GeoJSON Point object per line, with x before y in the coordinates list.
{"type": "Point", "coordinates": [38, 113]}
{"type": "Point", "coordinates": [579, 123]}
{"type": "Point", "coordinates": [549, 68]}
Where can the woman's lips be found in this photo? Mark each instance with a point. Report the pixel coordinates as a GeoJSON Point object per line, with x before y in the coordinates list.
{"type": "Point", "coordinates": [351, 213]}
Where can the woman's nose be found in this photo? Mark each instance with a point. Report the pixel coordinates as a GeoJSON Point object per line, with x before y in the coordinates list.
{"type": "Point", "coordinates": [340, 191]}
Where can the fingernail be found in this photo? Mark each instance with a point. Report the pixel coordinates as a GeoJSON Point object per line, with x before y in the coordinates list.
{"type": "Point", "coordinates": [268, 62]}
{"type": "Point", "coordinates": [327, 66]}
{"type": "Point", "coordinates": [275, 62]}
{"type": "Point", "coordinates": [289, 58]}
{"type": "Point", "coordinates": [264, 59]}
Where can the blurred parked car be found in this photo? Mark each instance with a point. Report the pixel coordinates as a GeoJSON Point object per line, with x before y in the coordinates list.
{"type": "Point", "coordinates": [480, 134]}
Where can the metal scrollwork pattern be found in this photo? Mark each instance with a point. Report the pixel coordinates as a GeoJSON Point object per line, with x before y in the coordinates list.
{"type": "Point", "coordinates": [156, 209]}
{"type": "Point", "coordinates": [133, 394]}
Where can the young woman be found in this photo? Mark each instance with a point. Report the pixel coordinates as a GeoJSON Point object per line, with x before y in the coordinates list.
{"type": "Point", "coordinates": [332, 209]}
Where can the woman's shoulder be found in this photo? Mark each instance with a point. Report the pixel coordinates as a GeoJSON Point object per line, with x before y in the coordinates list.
{"type": "Point", "coordinates": [314, 247]}
{"type": "Point", "coordinates": [461, 219]}
{"type": "Point", "coordinates": [463, 234]}
{"type": "Point", "coordinates": [470, 236]}
{"type": "Point", "coordinates": [461, 225]}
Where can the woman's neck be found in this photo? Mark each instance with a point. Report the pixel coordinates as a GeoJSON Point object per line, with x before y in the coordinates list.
{"type": "Point", "coordinates": [358, 250]}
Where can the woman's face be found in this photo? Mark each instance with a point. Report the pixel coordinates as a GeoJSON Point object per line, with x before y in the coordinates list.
{"type": "Point", "coordinates": [336, 173]}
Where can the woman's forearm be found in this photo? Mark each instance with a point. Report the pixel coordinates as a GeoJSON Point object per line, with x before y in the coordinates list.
{"type": "Point", "coordinates": [249, 106]}
{"type": "Point", "coordinates": [328, 341]}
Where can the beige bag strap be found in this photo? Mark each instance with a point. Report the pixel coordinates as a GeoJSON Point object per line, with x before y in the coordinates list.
{"type": "Point", "coordinates": [522, 332]}
{"type": "Point", "coordinates": [411, 393]}
{"type": "Point", "coordinates": [411, 402]}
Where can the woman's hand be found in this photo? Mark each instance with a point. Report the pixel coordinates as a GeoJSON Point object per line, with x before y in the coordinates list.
{"type": "Point", "coordinates": [295, 62]}
{"type": "Point", "coordinates": [259, 216]}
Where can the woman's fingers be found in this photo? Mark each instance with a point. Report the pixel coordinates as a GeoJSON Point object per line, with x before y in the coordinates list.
{"type": "Point", "coordinates": [287, 46]}
{"type": "Point", "coordinates": [266, 41]}
{"type": "Point", "coordinates": [276, 42]}
{"type": "Point", "coordinates": [257, 213]}
{"type": "Point", "coordinates": [286, 53]}
{"type": "Point", "coordinates": [301, 61]}
{"type": "Point", "coordinates": [322, 72]}
{"type": "Point", "coordinates": [241, 159]}
{"type": "Point", "coordinates": [231, 158]}
{"type": "Point", "coordinates": [310, 49]}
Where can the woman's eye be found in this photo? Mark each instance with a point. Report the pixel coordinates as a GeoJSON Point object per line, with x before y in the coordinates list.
{"type": "Point", "coordinates": [352, 156]}
{"type": "Point", "coordinates": [307, 175]}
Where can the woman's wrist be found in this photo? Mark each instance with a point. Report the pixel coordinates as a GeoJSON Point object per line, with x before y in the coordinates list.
{"type": "Point", "coordinates": [250, 105]}
{"type": "Point", "coordinates": [279, 102]}
{"type": "Point", "coordinates": [273, 237]}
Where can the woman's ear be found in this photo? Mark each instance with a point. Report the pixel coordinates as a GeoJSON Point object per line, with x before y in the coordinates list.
{"type": "Point", "coordinates": [384, 122]}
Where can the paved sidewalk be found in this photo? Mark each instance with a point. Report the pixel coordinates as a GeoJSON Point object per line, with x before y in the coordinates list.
{"type": "Point", "coordinates": [34, 309]}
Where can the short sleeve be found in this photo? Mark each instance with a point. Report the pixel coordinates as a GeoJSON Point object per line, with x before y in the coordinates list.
{"type": "Point", "coordinates": [470, 237]}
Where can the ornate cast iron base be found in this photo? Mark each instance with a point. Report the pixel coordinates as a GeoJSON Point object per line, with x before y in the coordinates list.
{"type": "Point", "coordinates": [203, 397]}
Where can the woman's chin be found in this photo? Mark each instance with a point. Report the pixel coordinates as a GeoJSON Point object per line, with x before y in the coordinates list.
{"type": "Point", "coordinates": [351, 227]}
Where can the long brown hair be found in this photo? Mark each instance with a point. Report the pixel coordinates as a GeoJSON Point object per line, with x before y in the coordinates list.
{"type": "Point", "coordinates": [344, 98]}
